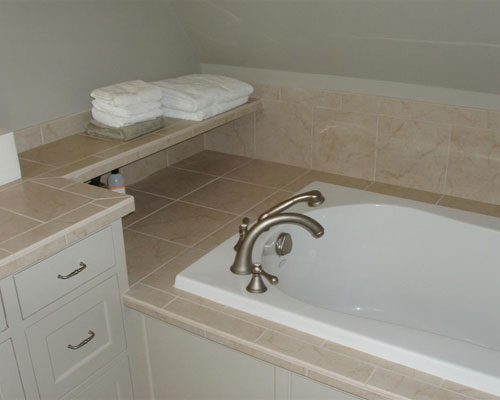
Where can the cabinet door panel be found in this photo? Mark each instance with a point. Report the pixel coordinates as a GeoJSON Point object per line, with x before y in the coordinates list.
{"type": "Point", "coordinates": [185, 366]}
{"type": "Point", "coordinates": [92, 324]}
{"type": "Point", "coordinates": [3, 320]}
{"type": "Point", "coordinates": [11, 387]}
{"type": "Point", "coordinates": [115, 384]}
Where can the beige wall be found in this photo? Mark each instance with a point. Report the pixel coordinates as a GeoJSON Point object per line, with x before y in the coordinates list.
{"type": "Point", "coordinates": [442, 43]}
{"type": "Point", "coordinates": [53, 53]}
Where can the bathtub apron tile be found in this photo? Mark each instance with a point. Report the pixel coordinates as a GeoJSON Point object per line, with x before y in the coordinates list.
{"type": "Point", "coordinates": [316, 356]}
{"type": "Point", "coordinates": [408, 388]}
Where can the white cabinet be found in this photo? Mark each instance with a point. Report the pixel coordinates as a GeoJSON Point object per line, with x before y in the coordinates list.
{"type": "Point", "coordinates": [3, 320]}
{"type": "Point", "coordinates": [66, 327]}
{"type": "Point", "coordinates": [69, 345]}
{"type": "Point", "coordinates": [186, 366]}
{"type": "Point", "coordinates": [58, 275]}
{"type": "Point", "coordinates": [11, 387]}
{"type": "Point", "coordinates": [115, 383]}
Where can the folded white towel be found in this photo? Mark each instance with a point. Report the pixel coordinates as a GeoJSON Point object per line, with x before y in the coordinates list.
{"type": "Point", "coordinates": [127, 93]}
{"type": "Point", "coordinates": [127, 111]}
{"type": "Point", "coordinates": [208, 112]}
{"type": "Point", "coordinates": [192, 93]}
{"type": "Point", "coordinates": [117, 121]}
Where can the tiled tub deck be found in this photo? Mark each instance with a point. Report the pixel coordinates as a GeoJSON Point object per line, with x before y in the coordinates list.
{"type": "Point", "coordinates": [184, 211]}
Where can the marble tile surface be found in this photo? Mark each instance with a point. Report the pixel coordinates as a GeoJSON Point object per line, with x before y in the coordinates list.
{"type": "Point", "coordinates": [284, 133]}
{"type": "Point", "coordinates": [474, 165]}
{"type": "Point", "coordinates": [313, 176]}
{"type": "Point", "coordinates": [145, 204]}
{"type": "Point", "coordinates": [404, 192]}
{"type": "Point", "coordinates": [146, 253]}
{"type": "Point", "coordinates": [236, 137]}
{"type": "Point", "coordinates": [212, 162]}
{"type": "Point", "coordinates": [38, 201]}
{"type": "Point", "coordinates": [267, 173]}
{"type": "Point", "coordinates": [67, 150]}
{"type": "Point", "coordinates": [312, 97]}
{"type": "Point", "coordinates": [12, 224]}
{"type": "Point", "coordinates": [65, 126]}
{"type": "Point", "coordinates": [228, 195]}
{"type": "Point", "coordinates": [344, 143]}
{"type": "Point", "coordinates": [172, 182]}
{"type": "Point", "coordinates": [28, 138]}
{"type": "Point", "coordinates": [412, 153]}
{"type": "Point", "coordinates": [182, 223]}
{"type": "Point", "coordinates": [185, 149]}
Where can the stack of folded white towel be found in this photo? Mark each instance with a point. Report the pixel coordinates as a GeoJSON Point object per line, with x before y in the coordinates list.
{"type": "Point", "coordinates": [200, 96]}
{"type": "Point", "coordinates": [126, 103]}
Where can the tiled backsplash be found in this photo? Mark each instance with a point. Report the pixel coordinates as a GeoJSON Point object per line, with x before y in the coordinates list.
{"type": "Point", "coordinates": [433, 147]}
{"type": "Point", "coordinates": [49, 131]}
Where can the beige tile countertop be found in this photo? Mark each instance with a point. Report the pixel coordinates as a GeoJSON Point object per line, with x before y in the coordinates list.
{"type": "Point", "coordinates": [186, 210]}
{"type": "Point", "coordinates": [49, 208]}
{"type": "Point", "coordinates": [39, 217]}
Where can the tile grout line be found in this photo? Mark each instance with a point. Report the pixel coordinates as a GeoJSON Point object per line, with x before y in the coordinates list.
{"type": "Point", "coordinates": [141, 280]}
{"type": "Point", "coordinates": [235, 213]}
{"type": "Point", "coordinates": [41, 222]}
{"type": "Point", "coordinates": [49, 221]}
{"type": "Point", "coordinates": [157, 237]}
{"type": "Point", "coordinates": [148, 215]}
{"type": "Point", "coordinates": [264, 330]}
{"type": "Point", "coordinates": [375, 155]}
{"type": "Point", "coordinates": [311, 145]}
{"type": "Point", "coordinates": [448, 156]}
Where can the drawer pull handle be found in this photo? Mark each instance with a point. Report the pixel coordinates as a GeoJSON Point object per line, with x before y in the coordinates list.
{"type": "Point", "coordinates": [92, 336]}
{"type": "Point", "coordinates": [75, 272]}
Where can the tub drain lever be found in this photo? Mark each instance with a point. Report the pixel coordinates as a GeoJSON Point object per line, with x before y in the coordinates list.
{"type": "Point", "coordinates": [256, 284]}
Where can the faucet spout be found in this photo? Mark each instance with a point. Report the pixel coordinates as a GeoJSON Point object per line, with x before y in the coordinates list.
{"type": "Point", "coordinates": [243, 261]}
{"type": "Point", "coordinates": [314, 198]}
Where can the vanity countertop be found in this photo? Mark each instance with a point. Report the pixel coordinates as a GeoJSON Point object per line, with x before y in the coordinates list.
{"type": "Point", "coordinates": [40, 216]}
{"type": "Point", "coordinates": [51, 208]}
{"type": "Point", "coordinates": [208, 218]}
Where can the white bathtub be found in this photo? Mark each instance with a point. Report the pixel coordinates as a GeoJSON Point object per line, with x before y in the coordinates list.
{"type": "Point", "coordinates": [414, 283]}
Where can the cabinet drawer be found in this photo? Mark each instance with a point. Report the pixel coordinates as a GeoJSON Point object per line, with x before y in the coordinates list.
{"type": "Point", "coordinates": [115, 384]}
{"type": "Point", "coordinates": [70, 344]}
{"type": "Point", "coordinates": [3, 320]}
{"type": "Point", "coordinates": [58, 275]}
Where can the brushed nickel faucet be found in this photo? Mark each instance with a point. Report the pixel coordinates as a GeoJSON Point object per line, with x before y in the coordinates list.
{"type": "Point", "coordinates": [314, 198]}
{"type": "Point", "coordinates": [243, 264]}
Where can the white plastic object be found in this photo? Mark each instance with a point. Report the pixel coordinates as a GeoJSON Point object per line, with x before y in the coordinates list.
{"type": "Point", "coordinates": [116, 182]}
{"type": "Point", "coordinates": [10, 169]}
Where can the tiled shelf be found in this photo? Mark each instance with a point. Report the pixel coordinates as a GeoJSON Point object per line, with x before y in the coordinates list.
{"type": "Point", "coordinates": [81, 157]}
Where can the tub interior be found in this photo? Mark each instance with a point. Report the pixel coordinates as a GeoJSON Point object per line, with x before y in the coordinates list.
{"type": "Point", "coordinates": [399, 265]}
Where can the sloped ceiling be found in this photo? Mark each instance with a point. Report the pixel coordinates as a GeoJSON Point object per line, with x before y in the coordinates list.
{"type": "Point", "coordinates": [445, 43]}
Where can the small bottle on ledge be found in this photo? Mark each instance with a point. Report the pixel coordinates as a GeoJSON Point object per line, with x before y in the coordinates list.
{"type": "Point", "coordinates": [116, 182]}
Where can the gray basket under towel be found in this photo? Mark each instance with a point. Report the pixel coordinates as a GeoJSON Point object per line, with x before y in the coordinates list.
{"type": "Point", "coordinates": [95, 128]}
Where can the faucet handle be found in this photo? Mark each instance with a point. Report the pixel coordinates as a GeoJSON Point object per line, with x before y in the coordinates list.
{"type": "Point", "coordinates": [256, 284]}
{"type": "Point", "coordinates": [243, 232]}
